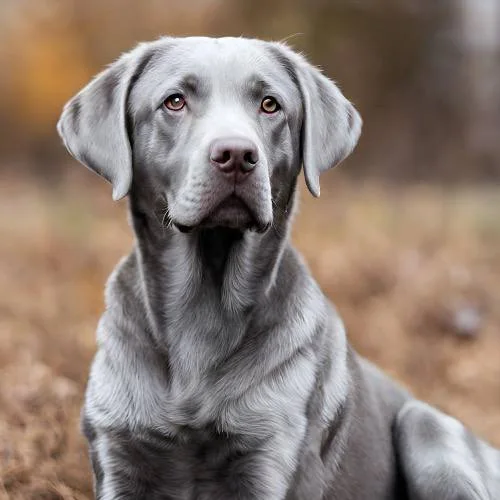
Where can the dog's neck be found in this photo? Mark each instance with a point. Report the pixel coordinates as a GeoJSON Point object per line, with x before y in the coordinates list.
{"type": "Point", "coordinates": [215, 246]}
{"type": "Point", "coordinates": [218, 275]}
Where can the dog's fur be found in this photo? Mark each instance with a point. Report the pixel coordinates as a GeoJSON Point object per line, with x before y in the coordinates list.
{"type": "Point", "coordinates": [222, 370]}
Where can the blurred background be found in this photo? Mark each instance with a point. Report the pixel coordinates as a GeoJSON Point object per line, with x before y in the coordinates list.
{"type": "Point", "coordinates": [405, 238]}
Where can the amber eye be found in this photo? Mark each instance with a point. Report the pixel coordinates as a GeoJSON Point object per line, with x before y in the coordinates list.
{"type": "Point", "coordinates": [269, 105]}
{"type": "Point", "coordinates": [175, 102]}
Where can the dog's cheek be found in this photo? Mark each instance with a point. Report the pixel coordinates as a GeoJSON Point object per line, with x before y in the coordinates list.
{"type": "Point", "coordinates": [282, 164]}
{"type": "Point", "coordinates": [158, 155]}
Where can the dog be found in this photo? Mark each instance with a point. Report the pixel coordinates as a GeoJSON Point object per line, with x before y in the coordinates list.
{"type": "Point", "coordinates": [222, 371]}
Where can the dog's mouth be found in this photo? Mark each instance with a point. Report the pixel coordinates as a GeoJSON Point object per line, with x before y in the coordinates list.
{"type": "Point", "coordinates": [231, 213]}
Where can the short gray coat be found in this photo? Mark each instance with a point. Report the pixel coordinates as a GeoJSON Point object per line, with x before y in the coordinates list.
{"type": "Point", "coordinates": [222, 370]}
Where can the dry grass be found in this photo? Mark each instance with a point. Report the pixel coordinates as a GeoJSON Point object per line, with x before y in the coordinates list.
{"type": "Point", "coordinates": [407, 268]}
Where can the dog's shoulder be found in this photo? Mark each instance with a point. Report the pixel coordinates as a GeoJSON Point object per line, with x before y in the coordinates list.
{"type": "Point", "coordinates": [123, 284]}
{"type": "Point", "coordinates": [127, 374]}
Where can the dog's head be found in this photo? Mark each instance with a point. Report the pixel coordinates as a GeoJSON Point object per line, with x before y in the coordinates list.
{"type": "Point", "coordinates": [219, 128]}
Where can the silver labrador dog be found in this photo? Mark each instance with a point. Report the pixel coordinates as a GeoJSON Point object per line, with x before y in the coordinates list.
{"type": "Point", "coordinates": [222, 370]}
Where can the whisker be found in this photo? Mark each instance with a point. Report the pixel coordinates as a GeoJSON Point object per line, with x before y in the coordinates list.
{"type": "Point", "coordinates": [289, 37]}
{"type": "Point", "coordinates": [166, 221]}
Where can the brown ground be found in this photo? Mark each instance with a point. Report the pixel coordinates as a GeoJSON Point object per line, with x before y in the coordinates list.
{"type": "Point", "coordinates": [408, 269]}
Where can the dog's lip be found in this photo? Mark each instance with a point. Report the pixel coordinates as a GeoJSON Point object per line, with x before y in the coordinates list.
{"type": "Point", "coordinates": [232, 212]}
{"type": "Point", "coordinates": [233, 201]}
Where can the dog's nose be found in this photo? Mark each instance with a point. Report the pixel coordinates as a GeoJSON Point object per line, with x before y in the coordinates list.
{"type": "Point", "coordinates": [234, 156]}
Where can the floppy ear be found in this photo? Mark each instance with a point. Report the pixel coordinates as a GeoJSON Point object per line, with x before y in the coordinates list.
{"type": "Point", "coordinates": [331, 125]}
{"type": "Point", "coordinates": [93, 124]}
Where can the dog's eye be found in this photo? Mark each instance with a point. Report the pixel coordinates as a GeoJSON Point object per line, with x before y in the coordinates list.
{"type": "Point", "coordinates": [269, 105]}
{"type": "Point", "coordinates": [175, 102]}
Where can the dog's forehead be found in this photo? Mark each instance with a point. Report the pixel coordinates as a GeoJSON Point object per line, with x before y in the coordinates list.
{"type": "Point", "coordinates": [219, 51]}
{"type": "Point", "coordinates": [235, 56]}
{"type": "Point", "coordinates": [221, 63]}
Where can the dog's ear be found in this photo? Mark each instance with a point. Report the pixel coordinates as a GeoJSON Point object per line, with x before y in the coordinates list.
{"type": "Point", "coordinates": [93, 124]}
{"type": "Point", "coordinates": [331, 125]}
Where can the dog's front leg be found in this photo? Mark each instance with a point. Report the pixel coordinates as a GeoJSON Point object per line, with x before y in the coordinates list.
{"type": "Point", "coordinates": [90, 434]}
{"type": "Point", "coordinates": [97, 471]}
{"type": "Point", "coordinates": [130, 469]}
{"type": "Point", "coordinates": [127, 468]}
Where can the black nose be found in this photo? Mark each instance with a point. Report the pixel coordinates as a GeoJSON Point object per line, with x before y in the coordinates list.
{"type": "Point", "coordinates": [234, 156]}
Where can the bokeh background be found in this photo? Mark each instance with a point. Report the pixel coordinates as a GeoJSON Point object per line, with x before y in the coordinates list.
{"type": "Point", "coordinates": [405, 238]}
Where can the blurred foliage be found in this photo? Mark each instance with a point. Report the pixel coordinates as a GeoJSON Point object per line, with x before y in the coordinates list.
{"type": "Point", "coordinates": [403, 63]}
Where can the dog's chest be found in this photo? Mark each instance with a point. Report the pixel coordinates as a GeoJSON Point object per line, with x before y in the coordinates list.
{"type": "Point", "coordinates": [197, 464]}
{"type": "Point", "coordinates": [207, 434]}
{"type": "Point", "coordinates": [204, 414]}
